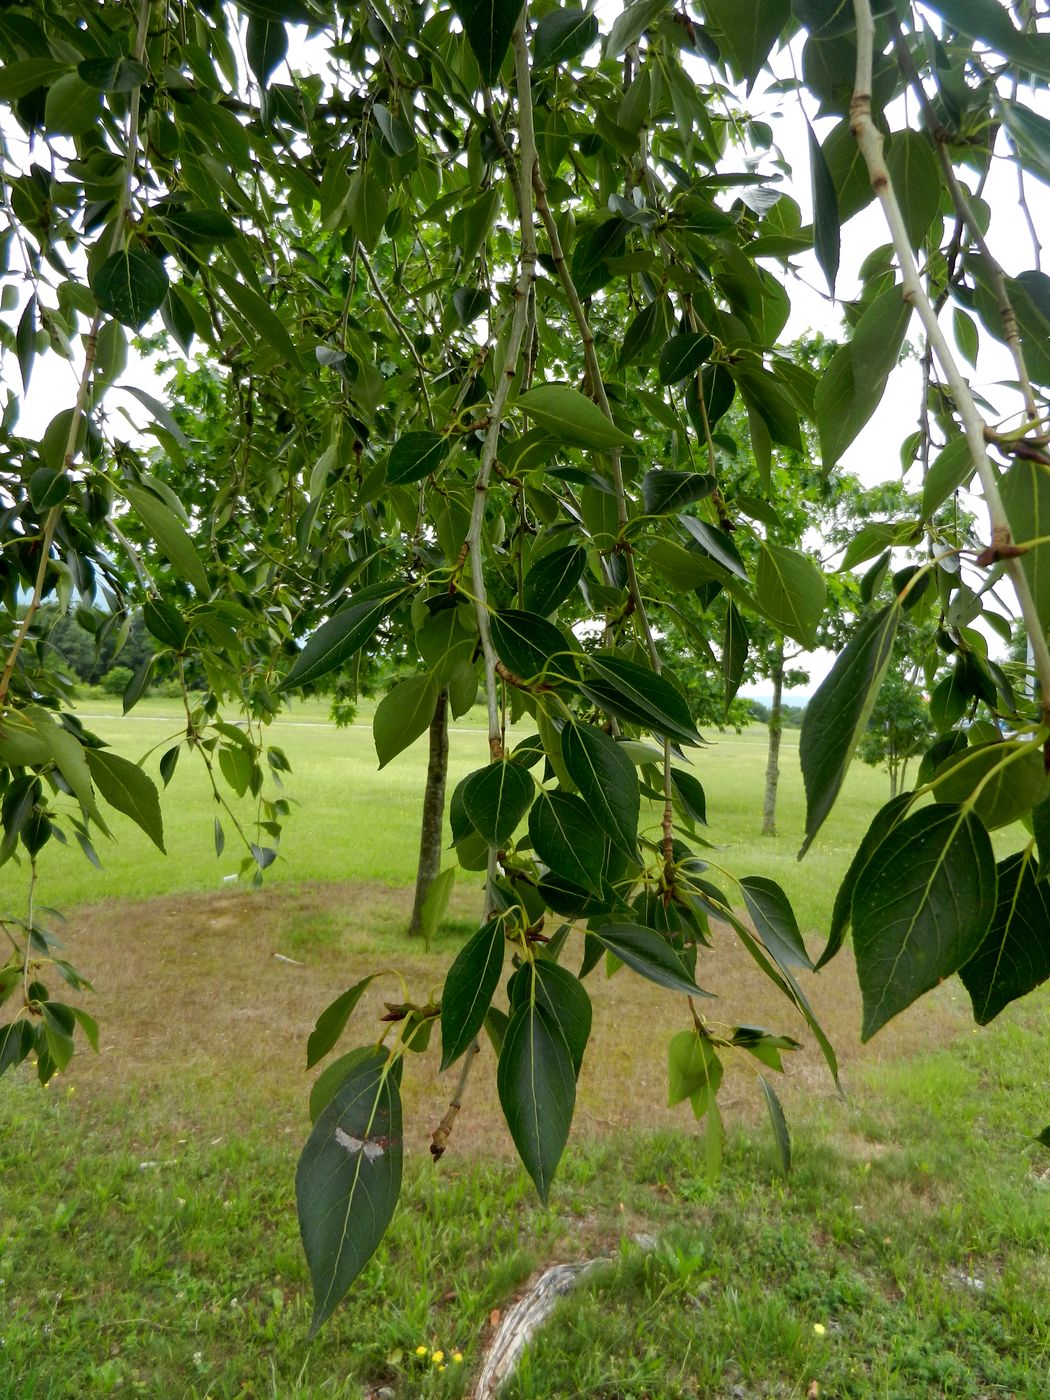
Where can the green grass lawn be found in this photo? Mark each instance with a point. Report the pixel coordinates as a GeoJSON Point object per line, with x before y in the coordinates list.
{"type": "Point", "coordinates": [353, 822]}
{"type": "Point", "coordinates": [148, 1242]}
{"type": "Point", "coordinates": [145, 1249]}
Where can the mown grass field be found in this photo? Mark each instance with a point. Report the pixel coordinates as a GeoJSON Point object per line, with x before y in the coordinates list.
{"type": "Point", "coordinates": [354, 822]}
{"type": "Point", "coordinates": [148, 1242]}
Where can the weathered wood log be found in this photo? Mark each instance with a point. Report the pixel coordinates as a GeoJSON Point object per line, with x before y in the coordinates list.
{"type": "Point", "coordinates": [520, 1322]}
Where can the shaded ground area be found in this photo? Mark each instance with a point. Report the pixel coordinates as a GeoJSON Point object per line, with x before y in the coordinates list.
{"type": "Point", "coordinates": [190, 984]}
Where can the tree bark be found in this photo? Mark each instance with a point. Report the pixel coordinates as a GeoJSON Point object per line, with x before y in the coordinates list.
{"type": "Point", "coordinates": [432, 829]}
{"type": "Point", "coordinates": [769, 806]}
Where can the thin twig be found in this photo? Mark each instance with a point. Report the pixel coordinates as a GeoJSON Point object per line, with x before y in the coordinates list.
{"type": "Point", "coordinates": [441, 1134]}
{"type": "Point", "coordinates": [398, 326]}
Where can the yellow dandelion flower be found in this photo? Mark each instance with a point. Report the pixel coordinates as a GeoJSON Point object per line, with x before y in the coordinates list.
{"type": "Point", "coordinates": [437, 1357]}
{"type": "Point", "coordinates": [421, 1351]}
{"type": "Point", "coordinates": [457, 1357]}
{"type": "Point", "coordinates": [819, 1328]}
{"type": "Point", "coordinates": [442, 1368]}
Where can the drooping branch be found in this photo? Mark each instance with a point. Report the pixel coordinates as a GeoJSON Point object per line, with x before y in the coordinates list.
{"type": "Point", "coordinates": [869, 142]}
{"type": "Point", "coordinates": [509, 368]}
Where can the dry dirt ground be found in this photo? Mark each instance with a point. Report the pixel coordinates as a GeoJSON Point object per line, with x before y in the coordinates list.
{"type": "Point", "coordinates": [202, 1021]}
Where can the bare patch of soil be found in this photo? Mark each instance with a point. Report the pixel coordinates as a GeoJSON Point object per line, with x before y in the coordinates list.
{"type": "Point", "coordinates": [202, 1021]}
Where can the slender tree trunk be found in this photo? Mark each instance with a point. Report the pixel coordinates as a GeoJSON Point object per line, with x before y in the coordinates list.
{"type": "Point", "coordinates": [432, 830]}
{"type": "Point", "coordinates": [776, 725]}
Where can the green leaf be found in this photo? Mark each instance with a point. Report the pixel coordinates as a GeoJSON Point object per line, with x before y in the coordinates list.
{"type": "Point", "coordinates": [564, 837]}
{"type": "Point", "coordinates": [332, 1021]}
{"type": "Point", "coordinates": [69, 754]}
{"type": "Point", "coordinates": [25, 75]}
{"type": "Point", "coordinates": [717, 544]}
{"type": "Point", "coordinates": [631, 23]}
{"type": "Point", "coordinates": [665, 492]}
{"type": "Point", "coordinates": [966, 336]}
{"type": "Point", "coordinates": [470, 984]}
{"type": "Point", "coordinates": [1014, 957]}
{"type": "Point", "coordinates": [1031, 134]}
{"type": "Point", "coordinates": [257, 313]}
{"type": "Point", "coordinates": [118, 74]}
{"type": "Point", "coordinates": [16, 1042]}
{"type": "Point", "coordinates": [326, 1085]}
{"type": "Point", "coordinates": [266, 47]}
{"type": "Point", "coordinates": [648, 953]}
{"type": "Point", "coordinates": [825, 211]}
{"type": "Point", "coordinates": [745, 34]}
{"type": "Point", "coordinates": [564, 998]}
{"type": "Point", "coordinates": [25, 341]}
{"type": "Point", "coordinates": [435, 904]}
{"type": "Point", "coordinates": [531, 647]}
{"type": "Point", "coordinates": [488, 25]}
{"type": "Point", "coordinates": [916, 179]}
{"type": "Point", "coordinates": [131, 287]}
{"type": "Point", "coordinates": [47, 488]}
{"type": "Point", "coordinates": [690, 794]}
{"type": "Point", "coordinates": [496, 799]}
{"type": "Point", "coordinates": [607, 782]}
{"type": "Point", "coordinates": [337, 640]}
{"type": "Point", "coordinates": [366, 206]}
{"type": "Point", "coordinates": [171, 537]}
{"type": "Point", "coordinates": [780, 1128]}
{"type": "Point", "coordinates": [683, 355]}
{"type": "Point", "coordinates": [126, 787]}
{"type": "Point", "coordinates": [414, 456]}
{"type": "Point", "coordinates": [882, 824]}
{"type": "Point", "coordinates": [921, 908]}
{"type": "Point", "coordinates": [571, 418]}
{"type": "Point", "coordinates": [1026, 500]}
{"type": "Point", "coordinates": [200, 226]}
{"type": "Point", "coordinates": [403, 714]}
{"type": "Point", "coordinates": [990, 22]}
{"type": "Point", "coordinates": [640, 336]}
{"type": "Point", "coordinates": [348, 1180]}
{"type": "Point", "coordinates": [1009, 779]}
{"type": "Point", "coordinates": [537, 1090]}
{"type": "Point", "coordinates": [734, 652]}
{"type": "Point", "coordinates": [853, 384]}
{"type": "Point", "coordinates": [837, 715]}
{"type": "Point", "coordinates": [72, 107]}
{"type": "Point", "coordinates": [791, 592]}
{"type": "Point", "coordinates": [553, 578]}
{"type": "Point", "coordinates": [952, 469]}
{"type": "Point", "coordinates": [639, 695]}
{"type": "Point", "coordinates": [562, 35]}
{"type": "Point", "coordinates": [774, 918]}
{"type": "Point", "coordinates": [694, 1071]}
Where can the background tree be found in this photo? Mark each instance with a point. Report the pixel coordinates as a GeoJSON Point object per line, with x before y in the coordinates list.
{"type": "Point", "coordinates": [898, 730]}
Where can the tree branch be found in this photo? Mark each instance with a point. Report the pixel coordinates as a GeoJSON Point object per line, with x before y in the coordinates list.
{"type": "Point", "coordinates": [869, 142]}
{"type": "Point", "coordinates": [490, 447]}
